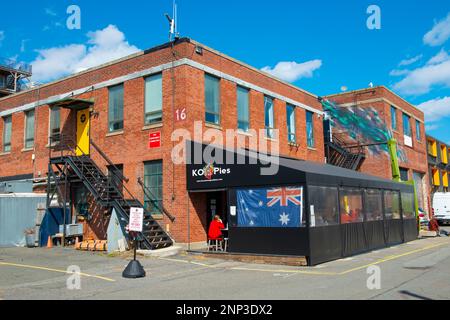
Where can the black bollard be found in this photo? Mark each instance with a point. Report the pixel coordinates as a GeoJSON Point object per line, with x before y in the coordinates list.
{"type": "Point", "coordinates": [134, 269]}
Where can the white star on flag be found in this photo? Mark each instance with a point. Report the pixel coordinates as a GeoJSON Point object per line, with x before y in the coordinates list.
{"type": "Point", "coordinates": [250, 191]}
{"type": "Point", "coordinates": [260, 203]}
{"type": "Point", "coordinates": [284, 219]}
{"type": "Point", "coordinates": [252, 223]}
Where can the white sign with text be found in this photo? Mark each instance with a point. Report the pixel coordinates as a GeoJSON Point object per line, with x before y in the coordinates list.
{"type": "Point", "coordinates": [136, 219]}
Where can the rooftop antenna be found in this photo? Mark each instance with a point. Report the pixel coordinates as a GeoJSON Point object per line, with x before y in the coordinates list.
{"type": "Point", "coordinates": [173, 32]}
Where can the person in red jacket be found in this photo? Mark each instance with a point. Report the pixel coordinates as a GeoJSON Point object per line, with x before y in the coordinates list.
{"type": "Point", "coordinates": [215, 229]}
{"type": "Point", "coordinates": [433, 225]}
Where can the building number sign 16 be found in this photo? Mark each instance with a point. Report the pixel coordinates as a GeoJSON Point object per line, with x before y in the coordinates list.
{"type": "Point", "coordinates": [180, 114]}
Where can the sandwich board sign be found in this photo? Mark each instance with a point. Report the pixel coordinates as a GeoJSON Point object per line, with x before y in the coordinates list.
{"type": "Point", "coordinates": [136, 219]}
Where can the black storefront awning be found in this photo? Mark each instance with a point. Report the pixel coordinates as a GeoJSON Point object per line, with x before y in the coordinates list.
{"type": "Point", "coordinates": [250, 169]}
{"type": "Point", "coordinates": [73, 103]}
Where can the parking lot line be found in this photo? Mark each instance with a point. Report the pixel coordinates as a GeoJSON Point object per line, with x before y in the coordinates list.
{"type": "Point", "coordinates": [393, 257]}
{"type": "Point", "coordinates": [320, 273]}
{"type": "Point", "coordinates": [54, 270]}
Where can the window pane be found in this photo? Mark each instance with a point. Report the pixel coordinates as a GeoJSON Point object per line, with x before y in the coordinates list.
{"type": "Point", "coordinates": [406, 125]}
{"type": "Point", "coordinates": [324, 206]}
{"type": "Point", "coordinates": [418, 133]}
{"type": "Point", "coordinates": [373, 205]}
{"type": "Point", "coordinates": [404, 174]}
{"type": "Point", "coordinates": [242, 105]}
{"type": "Point", "coordinates": [268, 114]}
{"type": "Point", "coordinates": [212, 99]}
{"type": "Point", "coordinates": [310, 129]}
{"type": "Point", "coordinates": [351, 205]}
{"type": "Point", "coordinates": [55, 120]}
{"type": "Point", "coordinates": [29, 130]}
{"type": "Point", "coordinates": [394, 118]}
{"type": "Point", "coordinates": [153, 185]}
{"type": "Point", "coordinates": [116, 108]}
{"type": "Point", "coordinates": [153, 98]}
{"type": "Point", "coordinates": [408, 205]}
{"type": "Point", "coordinates": [55, 124]}
{"type": "Point", "coordinates": [290, 112]}
{"type": "Point", "coordinates": [391, 205]}
{"type": "Point", "coordinates": [7, 132]}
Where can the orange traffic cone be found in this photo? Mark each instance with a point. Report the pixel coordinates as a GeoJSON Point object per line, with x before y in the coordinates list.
{"type": "Point", "coordinates": [77, 243]}
{"type": "Point", "coordinates": [49, 242]}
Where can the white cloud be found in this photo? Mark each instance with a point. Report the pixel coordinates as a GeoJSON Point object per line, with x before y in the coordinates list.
{"type": "Point", "coordinates": [50, 12]}
{"type": "Point", "coordinates": [293, 71]}
{"type": "Point", "coordinates": [2, 37]}
{"type": "Point", "coordinates": [442, 56]}
{"type": "Point", "coordinates": [398, 73]}
{"type": "Point", "coordinates": [408, 62]}
{"type": "Point", "coordinates": [102, 46]}
{"type": "Point", "coordinates": [439, 34]}
{"type": "Point", "coordinates": [431, 127]}
{"type": "Point", "coordinates": [22, 45]}
{"type": "Point", "coordinates": [419, 81]}
{"type": "Point", "coordinates": [436, 109]}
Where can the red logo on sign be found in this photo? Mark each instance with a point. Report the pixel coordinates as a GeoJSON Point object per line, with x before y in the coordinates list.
{"type": "Point", "coordinates": [154, 140]}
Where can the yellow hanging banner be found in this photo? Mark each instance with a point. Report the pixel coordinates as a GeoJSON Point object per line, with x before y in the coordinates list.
{"type": "Point", "coordinates": [83, 126]}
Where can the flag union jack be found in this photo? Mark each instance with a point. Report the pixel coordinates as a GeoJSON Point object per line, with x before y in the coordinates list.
{"type": "Point", "coordinates": [284, 196]}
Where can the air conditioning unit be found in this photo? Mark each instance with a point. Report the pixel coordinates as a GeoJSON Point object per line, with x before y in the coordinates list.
{"type": "Point", "coordinates": [72, 230]}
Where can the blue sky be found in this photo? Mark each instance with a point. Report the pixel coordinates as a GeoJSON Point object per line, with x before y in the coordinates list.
{"type": "Point", "coordinates": [320, 45]}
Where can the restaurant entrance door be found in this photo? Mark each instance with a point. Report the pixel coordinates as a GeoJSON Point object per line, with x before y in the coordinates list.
{"type": "Point", "coordinates": [216, 202]}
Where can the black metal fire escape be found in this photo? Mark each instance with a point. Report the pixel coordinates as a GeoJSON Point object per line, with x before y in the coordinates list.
{"type": "Point", "coordinates": [340, 154]}
{"type": "Point", "coordinates": [109, 191]}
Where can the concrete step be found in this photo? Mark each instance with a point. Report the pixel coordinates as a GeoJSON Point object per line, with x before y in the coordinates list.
{"type": "Point", "coordinates": [161, 253]}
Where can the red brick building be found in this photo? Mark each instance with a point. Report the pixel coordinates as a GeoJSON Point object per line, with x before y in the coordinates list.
{"type": "Point", "coordinates": [403, 120]}
{"type": "Point", "coordinates": [158, 91]}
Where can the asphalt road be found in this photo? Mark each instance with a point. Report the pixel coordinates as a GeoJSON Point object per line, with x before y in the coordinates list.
{"type": "Point", "coordinates": [416, 270]}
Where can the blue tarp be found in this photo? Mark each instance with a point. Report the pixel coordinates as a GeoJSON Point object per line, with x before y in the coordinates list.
{"type": "Point", "coordinates": [279, 207]}
{"type": "Point", "coordinates": [53, 218]}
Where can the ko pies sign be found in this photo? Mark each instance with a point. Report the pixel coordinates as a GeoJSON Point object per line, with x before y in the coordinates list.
{"type": "Point", "coordinates": [136, 219]}
{"type": "Point", "coordinates": [154, 140]}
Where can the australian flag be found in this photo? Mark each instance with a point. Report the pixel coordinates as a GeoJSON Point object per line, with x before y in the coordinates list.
{"type": "Point", "coordinates": [280, 207]}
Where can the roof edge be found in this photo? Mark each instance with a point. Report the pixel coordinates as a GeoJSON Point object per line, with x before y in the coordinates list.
{"type": "Point", "coordinates": [374, 88]}
{"type": "Point", "coordinates": [103, 65]}
{"type": "Point", "coordinates": [253, 68]}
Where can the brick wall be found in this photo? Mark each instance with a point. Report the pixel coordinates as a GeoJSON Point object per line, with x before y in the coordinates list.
{"type": "Point", "coordinates": [381, 99]}
{"type": "Point", "coordinates": [130, 147]}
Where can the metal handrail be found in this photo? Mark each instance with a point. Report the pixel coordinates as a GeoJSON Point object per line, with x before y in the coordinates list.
{"type": "Point", "coordinates": [15, 65]}
{"type": "Point", "coordinates": [105, 157]}
{"type": "Point", "coordinates": [149, 194]}
{"type": "Point", "coordinates": [115, 179]}
{"type": "Point", "coordinates": [339, 142]}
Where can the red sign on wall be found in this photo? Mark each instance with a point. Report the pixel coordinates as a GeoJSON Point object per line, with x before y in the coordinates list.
{"type": "Point", "coordinates": [154, 140]}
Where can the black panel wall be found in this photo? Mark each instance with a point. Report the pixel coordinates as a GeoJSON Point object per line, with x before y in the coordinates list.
{"type": "Point", "coordinates": [273, 241]}
{"type": "Point", "coordinates": [394, 231]}
{"type": "Point", "coordinates": [326, 244]}
{"type": "Point", "coordinates": [410, 229]}
{"type": "Point", "coordinates": [374, 231]}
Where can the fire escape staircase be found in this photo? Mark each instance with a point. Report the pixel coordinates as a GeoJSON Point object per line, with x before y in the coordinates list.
{"type": "Point", "coordinates": [108, 191]}
{"type": "Point", "coordinates": [339, 154]}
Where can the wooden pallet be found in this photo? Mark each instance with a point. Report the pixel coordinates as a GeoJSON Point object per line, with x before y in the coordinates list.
{"type": "Point", "coordinates": [92, 245]}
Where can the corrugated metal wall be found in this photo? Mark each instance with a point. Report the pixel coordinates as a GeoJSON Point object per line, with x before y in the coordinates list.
{"type": "Point", "coordinates": [17, 213]}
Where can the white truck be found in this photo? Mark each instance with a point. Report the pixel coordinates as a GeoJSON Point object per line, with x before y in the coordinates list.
{"type": "Point", "coordinates": [441, 207]}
